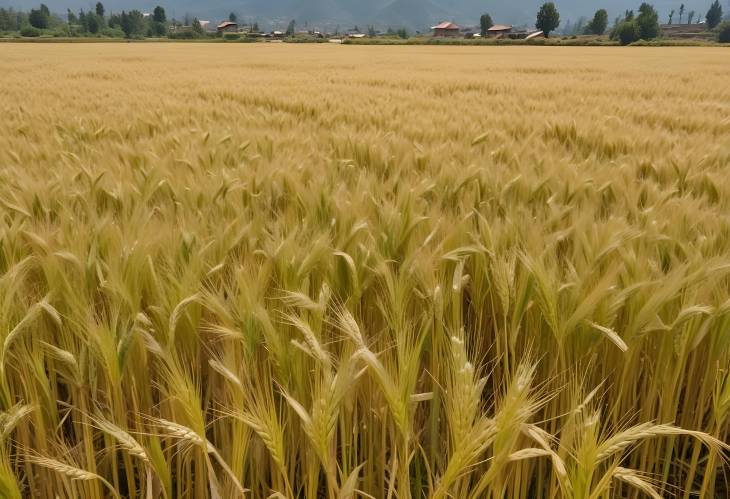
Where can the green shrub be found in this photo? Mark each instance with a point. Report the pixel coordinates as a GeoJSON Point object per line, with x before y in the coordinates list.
{"type": "Point", "coordinates": [231, 36]}
{"type": "Point", "coordinates": [723, 35]}
{"type": "Point", "coordinates": [182, 35]}
{"type": "Point", "coordinates": [112, 33]}
{"type": "Point", "coordinates": [628, 32]}
{"type": "Point", "coordinates": [61, 31]}
{"type": "Point", "coordinates": [30, 32]}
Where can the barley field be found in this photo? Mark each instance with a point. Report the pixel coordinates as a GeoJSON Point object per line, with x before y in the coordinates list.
{"type": "Point", "coordinates": [277, 271]}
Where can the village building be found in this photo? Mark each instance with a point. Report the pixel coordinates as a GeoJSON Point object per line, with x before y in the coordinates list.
{"type": "Point", "coordinates": [227, 27]}
{"type": "Point", "coordinates": [499, 30]}
{"type": "Point", "coordinates": [446, 30]}
{"type": "Point", "coordinates": [683, 30]}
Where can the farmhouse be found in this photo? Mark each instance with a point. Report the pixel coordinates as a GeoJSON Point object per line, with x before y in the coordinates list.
{"type": "Point", "coordinates": [499, 30]}
{"type": "Point", "coordinates": [683, 30]}
{"type": "Point", "coordinates": [228, 27]}
{"type": "Point", "coordinates": [447, 29]}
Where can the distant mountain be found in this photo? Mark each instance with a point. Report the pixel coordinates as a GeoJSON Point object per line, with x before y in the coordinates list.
{"type": "Point", "coordinates": [414, 14]}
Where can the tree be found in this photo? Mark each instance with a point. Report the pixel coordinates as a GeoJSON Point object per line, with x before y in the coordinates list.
{"type": "Point", "coordinates": [71, 17]}
{"type": "Point", "coordinates": [681, 13]}
{"type": "Point", "coordinates": [100, 9]}
{"type": "Point", "coordinates": [371, 31]}
{"type": "Point", "coordinates": [158, 15]}
{"type": "Point", "coordinates": [599, 23]}
{"type": "Point", "coordinates": [115, 21]}
{"type": "Point", "coordinates": [255, 27]}
{"type": "Point", "coordinates": [9, 20]}
{"type": "Point", "coordinates": [92, 23]}
{"type": "Point", "coordinates": [548, 18]}
{"type": "Point", "coordinates": [197, 27]}
{"type": "Point", "coordinates": [39, 18]}
{"type": "Point", "coordinates": [233, 17]}
{"type": "Point", "coordinates": [403, 33]}
{"type": "Point", "coordinates": [485, 22]}
{"type": "Point", "coordinates": [83, 22]}
{"type": "Point", "coordinates": [671, 16]}
{"type": "Point", "coordinates": [714, 15]}
{"type": "Point", "coordinates": [628, 32]}
{"type": "Point", "coordinates": [648, 22]}
{"type": "Point", "coordinates": [690, 16]}
{"type": "Point", "coordinates": [132, 23]}
{"type": "Point", "coordinates": [724, 33]}
{"type": "Point", "coordinates": [291, 28]}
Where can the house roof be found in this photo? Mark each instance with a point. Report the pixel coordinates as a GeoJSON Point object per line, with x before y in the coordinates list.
{"type": "Point", "coordinates": [446, 25]}
{"type": "Point", "coordinates": [226, 24]}
{"type": "Point", "coordinates": [500, 27]}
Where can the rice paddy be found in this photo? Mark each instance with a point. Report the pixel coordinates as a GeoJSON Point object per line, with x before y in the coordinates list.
{"type": "Point", "coordinates": [393, 272]}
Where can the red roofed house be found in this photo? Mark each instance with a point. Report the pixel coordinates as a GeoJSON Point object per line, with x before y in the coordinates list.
{"type": "Point", "coordinates": [499, 30]}
{"type": "Point", "coordinates": [227, 26]}
{"type": "Point", "coordinates": [446, 29]}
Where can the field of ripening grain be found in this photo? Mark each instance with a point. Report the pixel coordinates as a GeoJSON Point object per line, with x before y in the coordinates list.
{"type": "Point", "coordinates": [391, 272]}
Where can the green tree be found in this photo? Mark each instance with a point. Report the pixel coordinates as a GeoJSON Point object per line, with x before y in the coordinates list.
{"type": "Point", "coordinates": [158, 15]}
{"type": "Point", "coordinates": [92, 23]}
{"type": "Point", "coordinates": [158, 24]}
{"type": "Point", "coordinates": [485, 22]}
{"type": "Point", "coordinates": [255, 27]}
{"type": "Point", "coordinates": [9, 20]}
{"type": "Point", "coordinates": [403, 33]}
{"type": "Point", "coordinates": [233, 17]}
{"type": "Point", "coordinates": [724, 33]}
{"type": "Point", "coordinates": [132, 23]}
{"type": "Point", "coordinates": [198, 28]}
{"type": "Point", "coordinates": [714, 15]}
{"type": "Point", "coordinates": [690, 16]}
{"type": "Point", "coordinates": [671, 16]}
{"type": "Point", "coordinates": [599, 23]}
{"type": "Point", "coordinates": [39, 18]}
{"type": "Point", "coordinates": [83, 22]}
{"type": "Point", "coordinates": [115, 21]}
{"type": "Point", "coordinates": [100, 9]}
{"type": "Point", "coordinates": [371, 31]}
{"type": "Point", "coordinates": [681, 13]}
{"type": "Point", "coordinates": [291, 28]}
{"type": "Point", "coordinates": [648, 22]}
{"type": "Point", "coordinates": [548, 18]}
{"type": "Point", "coordinates": [71, 17]}
{"type": "Point", "coordinates": [628, 32]}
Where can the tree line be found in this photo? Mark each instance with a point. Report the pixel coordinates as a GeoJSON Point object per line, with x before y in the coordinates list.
{"type": "Point", "coordinates": [96, 22]}
{"type": "Point", "coordinates": [627, 29]}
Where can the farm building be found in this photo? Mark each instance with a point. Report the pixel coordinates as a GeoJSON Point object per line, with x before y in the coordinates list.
{"type": "Point", "coordinates": [683, 30]}
{"type": "Point", "coordinates": [228, 27]}
{"type": "Point", "coordinates": [447, 29]}
{"type": "Point", "coordinates": [499, 30]}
